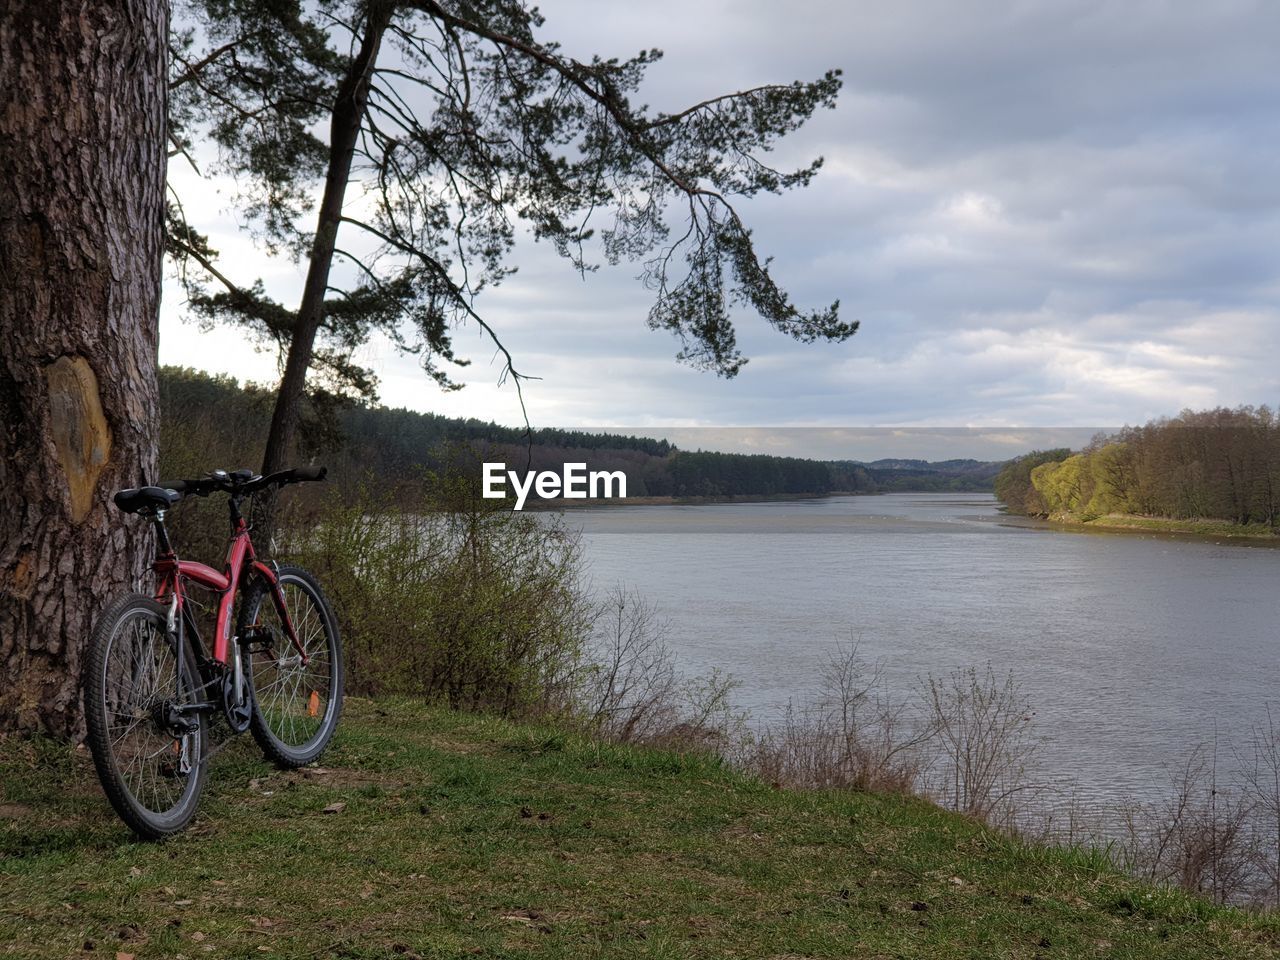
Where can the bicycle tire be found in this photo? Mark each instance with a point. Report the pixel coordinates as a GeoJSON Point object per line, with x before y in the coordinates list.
{"type": "Point", "coordinates": [277, 677]}
{"type": "Point", "coordinates": [147, 686]}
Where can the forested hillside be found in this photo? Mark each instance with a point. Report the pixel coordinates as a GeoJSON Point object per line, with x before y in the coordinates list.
{"type": "Point", "coordinates": [210, 420]}
{"type": "Point", "coordinates": [942, 475]}
{"type": "Point", "coordinates": [1221, 464]}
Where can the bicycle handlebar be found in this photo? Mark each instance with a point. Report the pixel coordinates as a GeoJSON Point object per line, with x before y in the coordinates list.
{"type": "Point", "coordinates": [292, 475]}
{"type": "Point", "coordinates": [242, 481]}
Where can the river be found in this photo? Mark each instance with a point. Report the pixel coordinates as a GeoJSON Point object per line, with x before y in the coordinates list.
{"type": "Point", "coordinates": [1132, 649]}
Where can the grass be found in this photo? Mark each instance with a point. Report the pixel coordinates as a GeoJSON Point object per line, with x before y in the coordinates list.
{"type": "Point", "coordinates": [468, 836]}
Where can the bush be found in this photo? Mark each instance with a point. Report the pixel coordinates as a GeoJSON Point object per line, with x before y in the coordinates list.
{"type": "Point", "coordinates": [627, 689]}
{"type": "Point", "coordinates": [854, 736]}
{"type": "Point", "coordinates": [451, 598]}
{"type": "Point", "coordinates": [985, 738]}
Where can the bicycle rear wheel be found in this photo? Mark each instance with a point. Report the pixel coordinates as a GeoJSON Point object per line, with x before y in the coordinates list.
{"type": "Point", "coordinates": [296, 705]}
{"type": "Point", "coordinates": [151, 770]}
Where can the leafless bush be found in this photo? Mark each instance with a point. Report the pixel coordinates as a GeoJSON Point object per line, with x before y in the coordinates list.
{"type": "Point", "coordinates": [1259, 773]}
{"type": "Point", "coordinates": [1214, 831]}
{"type": "Point", "coordinates": [627, 688]}
{"type": "Point", "coordinates": [853, 737]}
{"type": "Point", "coordinates": [983, 733]}
{"type": "Point", "coordinates": [1199, 837]}
{"type": "Point", "coordinates": [1059, 817]}
{"type": "Point", "coordinates": [705, 717]}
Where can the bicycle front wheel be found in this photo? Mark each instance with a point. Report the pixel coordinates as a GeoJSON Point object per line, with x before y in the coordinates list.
{"type": "Point", "coordinates": [297, 699]}
{"type": "Point", "coordinates": [148, 753]}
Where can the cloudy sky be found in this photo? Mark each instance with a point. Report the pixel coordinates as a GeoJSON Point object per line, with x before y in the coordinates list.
{"type": "Point", "coordinates": [1044, 214]}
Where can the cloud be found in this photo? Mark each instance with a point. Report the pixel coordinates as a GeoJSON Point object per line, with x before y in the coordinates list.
{"type": "Point", "coordinates": [1045, 213]}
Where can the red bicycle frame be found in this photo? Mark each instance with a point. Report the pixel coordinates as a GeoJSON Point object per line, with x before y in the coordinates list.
{"type": "Point", "coordinates": [171, 572]}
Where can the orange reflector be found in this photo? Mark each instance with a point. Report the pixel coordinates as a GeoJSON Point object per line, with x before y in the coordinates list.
{"type": "Point", "coordinates": [313, 704]}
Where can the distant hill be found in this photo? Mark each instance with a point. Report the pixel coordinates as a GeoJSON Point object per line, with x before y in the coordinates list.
{"type": "Point", "coordinates": [955, 467]}
{"type": "Point", "coordinates": [211, 420]}
{"type": "Point", "coordinates": [919, 475]}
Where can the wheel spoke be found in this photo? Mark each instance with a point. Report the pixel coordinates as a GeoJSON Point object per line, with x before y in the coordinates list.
{"type": "Point", "coordinates": [283, 684]}
{"type": "Point", "coordinates": [139, 677]}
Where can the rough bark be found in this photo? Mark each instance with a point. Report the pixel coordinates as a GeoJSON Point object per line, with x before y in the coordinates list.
{"type": "Point", "coordinates": [82, 168]}
{"type": "Point", "coordinates": [348, 116]}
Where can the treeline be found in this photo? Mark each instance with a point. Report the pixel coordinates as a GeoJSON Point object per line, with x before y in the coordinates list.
{"type": "Point", "coordinates": [1221, 464]}
{"type": "Point", "coordinates": [709, 474]}
{"type": "Point", "coordinates": [944, 476]}
{"type": "Point", "coordinates": [402, 435]}
{"type": "Point", "coordinates": [211, 420]}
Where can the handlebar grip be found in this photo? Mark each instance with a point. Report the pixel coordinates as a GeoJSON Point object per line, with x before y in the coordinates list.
{"type": "Point", "coordinates": [191, 488]}
{"type": "Point", "coordinates": [309, 473]}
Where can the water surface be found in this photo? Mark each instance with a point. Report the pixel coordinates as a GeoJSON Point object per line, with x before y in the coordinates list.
{"type": "Point", "coordinates": [1132, 648]}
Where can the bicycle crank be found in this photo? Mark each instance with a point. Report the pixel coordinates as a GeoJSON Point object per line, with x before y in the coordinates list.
{"type": "Point", "coordinates": [237, 704]}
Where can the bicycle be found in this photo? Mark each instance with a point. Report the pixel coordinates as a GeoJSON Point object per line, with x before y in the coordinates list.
{"type": "Point", "coordinates": [152, 686]}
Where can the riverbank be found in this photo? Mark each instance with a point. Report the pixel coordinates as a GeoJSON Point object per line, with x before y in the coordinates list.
{"type": "Point", "coordinates": [430, 833]}
{"type": "Point", "coordinates": [1215, 529]}
{"type": "Point", "coordinates": [582, 504]}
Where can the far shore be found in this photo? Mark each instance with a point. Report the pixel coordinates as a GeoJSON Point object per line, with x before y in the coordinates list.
{"type": "Point", "coordinates": [582, 504]}
{"type": "Point", "coordinates": [1122, 523]}
{"type": "Point", "coordinates": [1195, 528]}
{"type": "Point", "coordinates": [560, 503]}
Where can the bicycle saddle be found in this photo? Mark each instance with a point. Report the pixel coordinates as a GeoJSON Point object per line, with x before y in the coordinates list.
{"type": "Point", "coordinates": [138, 499]}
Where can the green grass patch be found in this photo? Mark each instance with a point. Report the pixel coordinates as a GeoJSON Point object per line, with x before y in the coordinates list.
{"type": "Point", "coordinates": [464, 836]}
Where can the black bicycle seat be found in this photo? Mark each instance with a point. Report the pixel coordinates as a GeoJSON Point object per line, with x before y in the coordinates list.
{"type": "Point", "coordinates": [138, 499]}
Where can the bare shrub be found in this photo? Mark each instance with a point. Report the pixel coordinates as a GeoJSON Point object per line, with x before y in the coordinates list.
{"type": "Point", "coordinates": [966, 743]}
{"type": "Point", "coordinates": [1058, 816]}
{"type": "Point", "coordinates": [628, 690]}
{"type": "Point", "coordinates": [1198, 837]}
{"type": "Point", "coordinates": [853, 737]}
{"type": "Point", "coordinates": [709, 719]}
{"type": "Point", "coordinates": [984, 743]}
{"type": "Point", "coordinates": [1213, 832]}
{"type": "Point", "coordinates": [1259, 774]}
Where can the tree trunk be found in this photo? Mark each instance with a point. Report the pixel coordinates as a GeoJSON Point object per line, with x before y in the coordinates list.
{"type": "Point", "coordinates": [347, 118]}
{"type": "Point", "coordinates": [82, 173]}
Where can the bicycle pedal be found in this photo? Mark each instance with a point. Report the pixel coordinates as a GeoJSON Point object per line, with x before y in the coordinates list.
{"type": "Point", "coordinates": [172, 771]}
{"type": "Point", "coordinates": [259, 636]}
